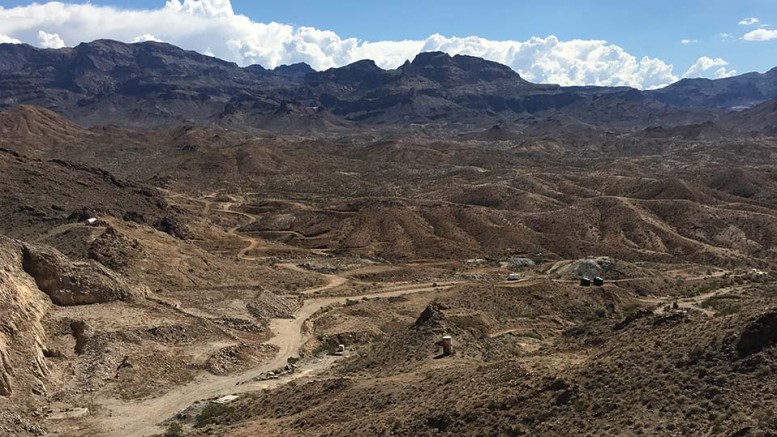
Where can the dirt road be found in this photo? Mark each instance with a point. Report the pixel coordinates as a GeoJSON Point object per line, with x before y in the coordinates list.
{"type": "Point", "coordinates": [691, 302]}
{"type": "Point", "coordinates": [140, 418]}
{"type": "Point", "coordinates": [331, 281]}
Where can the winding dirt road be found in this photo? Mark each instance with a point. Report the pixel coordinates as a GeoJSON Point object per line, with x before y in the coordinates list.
{"type": "Point", "coordinates": [141, 418]}
{"type": "Point", "coordinates": [330, 281]}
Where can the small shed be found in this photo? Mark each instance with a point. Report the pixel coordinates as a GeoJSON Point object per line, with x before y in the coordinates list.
{"type": "Point", "coordinates": [585, 282]}
{"type": "Point", "coordinates": [598, 281]}
{"type": "Point", "coordinates": [91, 221]}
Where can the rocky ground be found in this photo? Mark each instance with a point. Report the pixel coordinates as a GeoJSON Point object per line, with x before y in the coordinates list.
{"type": "Point", "coordinates": [221, 263]}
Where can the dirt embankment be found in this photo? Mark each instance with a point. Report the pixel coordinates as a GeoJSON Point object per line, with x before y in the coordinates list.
{"type": "Point", "coordinates": [23, 368]}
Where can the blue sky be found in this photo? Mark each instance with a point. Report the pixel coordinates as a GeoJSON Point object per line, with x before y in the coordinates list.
{"type": "Point", "coordinates": [653, 27]}
{"type": "Point", "coordinates": [641, 28]}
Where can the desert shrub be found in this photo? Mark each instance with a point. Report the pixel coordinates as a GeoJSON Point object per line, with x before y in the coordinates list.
{"type": "Point", "coordinates": [766, 419]}
{"type": "Point", "coordinates": [209, 414]}
{"type": "Point", "coordinates": [174, 430]}
{"type": "Point", "coordinates": [722, 306]}
{"type": "Point", "coordinates": [630, 309]}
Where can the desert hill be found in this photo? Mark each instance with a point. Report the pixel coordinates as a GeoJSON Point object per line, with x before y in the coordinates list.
{"type": "Point", "coordinates": [758, 119]}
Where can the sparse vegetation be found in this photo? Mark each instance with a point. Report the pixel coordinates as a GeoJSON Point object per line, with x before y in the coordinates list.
{"type": "Point", "coordinates": [210, 413]}
{"type": "Point", "coordinates": [722, 305]}
{"type": "Point", "coordinates": [174, 429]}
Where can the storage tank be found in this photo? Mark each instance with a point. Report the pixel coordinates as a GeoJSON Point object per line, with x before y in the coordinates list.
{"type": "Point", "coordinates": [447, 345]}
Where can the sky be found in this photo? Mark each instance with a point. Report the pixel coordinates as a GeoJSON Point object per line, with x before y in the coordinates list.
{"type": "Point", "coordinates": [638, 43]}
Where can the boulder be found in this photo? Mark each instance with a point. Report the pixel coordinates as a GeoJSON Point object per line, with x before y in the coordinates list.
{"type": "Point", "coordinates": [759, 334]}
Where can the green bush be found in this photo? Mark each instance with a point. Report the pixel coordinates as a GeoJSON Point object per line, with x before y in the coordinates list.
{"type": "Point", "coordinates": [209, 414]}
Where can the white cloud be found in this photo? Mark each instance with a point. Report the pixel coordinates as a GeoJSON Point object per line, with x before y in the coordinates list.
{"type": "Point", "coordinates": [688, 41]}
{"type": "Point", "coordinates": [704, 66]}
{"type": "Point", "coordinates": [146, 37]}
{"type": "Point", "coordinates": [721, 72]}
{"type": "Point", "coordinates": [212, 26]}
{"type": "Point", "coordinates": [8, 40]}
{"type": "Point", "coordinates": [749, 21]}
{"type": "Point", "coordinates": [50, 40]}
{"type": "Point", "coordinates": [760, 35]}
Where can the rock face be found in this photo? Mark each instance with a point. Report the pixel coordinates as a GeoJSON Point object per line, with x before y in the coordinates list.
{"type": "Point", "coordinates": [431, 318]}
{"type": "Point", "coordinates": [68, 283]}
{"type": "Point", "coordinates": [759, 334]}
{"type": "Point", "coordinates": [22, 306]}
{"type": "Point", "coordinates": [5, 374]}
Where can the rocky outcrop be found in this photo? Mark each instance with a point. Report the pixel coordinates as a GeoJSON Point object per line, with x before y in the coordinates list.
{"type": "Point", "coordinates": [432, 317]}
{"type": "Point", "coordinates": [759, 334]}
{"type": "Point", "coordinates": [174, 227]}
{"type": "Point", "coordinates": [68, 283]}
{"type": "Point", "coordinates": [114, 250]}
{"type": "Point", "coordinates": [631, 318]}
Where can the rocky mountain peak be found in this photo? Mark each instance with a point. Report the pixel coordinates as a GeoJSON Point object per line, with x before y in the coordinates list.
{"type": "Point", "coordinates": [294, 71]}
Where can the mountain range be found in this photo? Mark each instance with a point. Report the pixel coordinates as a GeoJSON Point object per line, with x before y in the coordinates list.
{"type": "Point", "coordinates": [150, 84]}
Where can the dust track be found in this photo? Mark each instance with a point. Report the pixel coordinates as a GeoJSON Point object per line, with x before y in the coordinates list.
{"type": "Point", "coordinates": [141, 418]}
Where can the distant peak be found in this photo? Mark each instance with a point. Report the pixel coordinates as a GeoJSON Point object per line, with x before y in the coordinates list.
{"type": "Point", "coordinates": [441, 67]}
{"type": "Point", "coordinates": [103, 43]}
{"type": "Point", "coordinates": [364, 64]}
{"type": "Point", "coordinates": [431, 58]}
{"type": "Point", "coordinates": [299, 66]}
{"type": "Point", "coordinates": [294, 71]}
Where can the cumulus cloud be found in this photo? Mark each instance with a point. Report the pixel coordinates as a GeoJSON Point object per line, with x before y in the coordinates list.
{"type": "Point", "coordinates": [749, 21]}
{"type": "Point", "coordinates": [721, 72]}
{"type": "Point", "coordinates": [709, 67]}
{"type": "Point", "coordinates": [8, 40]}
{"type": "Point", "coordinates": [50, 40]}
{"type": "Point", "coordinates": [146, 37]}
{"type": "Point", "coordinates": [213, 27]}
{"type": "Point", "coordinates": [688, 41]}
{"type": "Point", "coordinates": [760, 35]}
